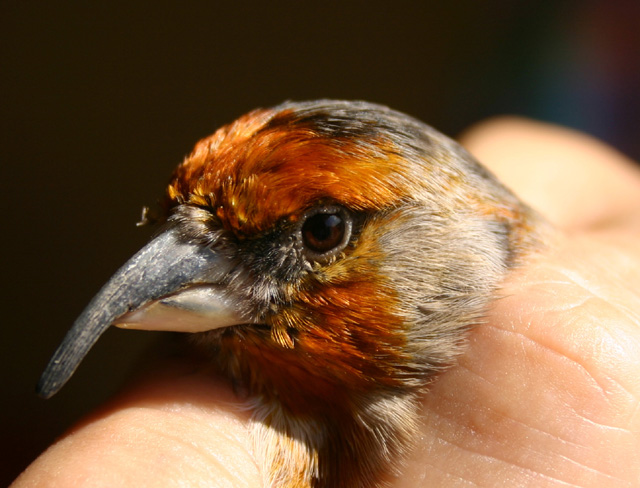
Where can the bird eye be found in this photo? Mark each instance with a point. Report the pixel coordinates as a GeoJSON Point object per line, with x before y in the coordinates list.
{"type": "Point", "coordinates": [326, 231]}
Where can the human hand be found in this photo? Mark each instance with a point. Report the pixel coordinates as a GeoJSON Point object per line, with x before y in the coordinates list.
{"type": "Point", "coordinates": [548, 391]}
{"type": "Point", "coordinates": [546, 394]}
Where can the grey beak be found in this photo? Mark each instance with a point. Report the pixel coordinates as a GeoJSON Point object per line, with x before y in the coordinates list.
{"type": "Point", "coordinates": [169, 284]}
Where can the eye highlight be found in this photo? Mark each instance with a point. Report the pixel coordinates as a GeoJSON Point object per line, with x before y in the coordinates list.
{"type": "Point", "coordinates": [325, 231]}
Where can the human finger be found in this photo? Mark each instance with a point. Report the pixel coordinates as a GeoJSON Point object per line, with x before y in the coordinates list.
{"type": "Point", "coordinates": [180, 427]}
{"type": "Point", "coordinates": [573, 179]}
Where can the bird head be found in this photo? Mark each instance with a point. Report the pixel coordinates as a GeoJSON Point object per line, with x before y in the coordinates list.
{"type": "Point", "coordinates": [321, 251]}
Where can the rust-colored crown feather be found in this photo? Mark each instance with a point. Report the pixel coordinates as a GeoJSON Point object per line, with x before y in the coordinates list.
{"type": "Point", "coordinates": [251, 171]}
{"type": "Point", "coordinates": [342, 250]}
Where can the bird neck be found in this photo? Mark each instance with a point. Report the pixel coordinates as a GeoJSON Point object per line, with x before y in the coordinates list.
{"type": "Point", "coordinates": [356, 445]}
{"type": "Point", "coordinates": [336, 430]}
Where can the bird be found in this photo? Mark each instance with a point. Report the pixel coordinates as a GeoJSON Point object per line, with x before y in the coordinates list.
{"type": "Point", "coordinates": [329, 257]}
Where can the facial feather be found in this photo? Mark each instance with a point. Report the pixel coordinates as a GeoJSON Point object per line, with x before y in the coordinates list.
{"type": "Point", "coordinates": [349, 343]}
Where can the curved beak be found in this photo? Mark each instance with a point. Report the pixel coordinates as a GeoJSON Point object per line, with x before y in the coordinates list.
{"type": "Point", "coordinates": [170, 284]}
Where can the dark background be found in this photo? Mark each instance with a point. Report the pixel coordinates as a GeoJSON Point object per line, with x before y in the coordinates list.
{"type": "Point", "coordinates": [100, 100]}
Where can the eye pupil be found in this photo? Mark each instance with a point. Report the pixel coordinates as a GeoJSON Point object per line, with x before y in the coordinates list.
{"type": "Point", "coordinates": [322, 232]}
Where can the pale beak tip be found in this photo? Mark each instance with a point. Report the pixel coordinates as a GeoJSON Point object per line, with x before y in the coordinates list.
{"type": "Point", "coordinates": [124, 325]}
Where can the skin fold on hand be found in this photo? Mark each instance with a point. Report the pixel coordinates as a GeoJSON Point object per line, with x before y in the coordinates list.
{"type": "Point", "coordinates": [547, 393]}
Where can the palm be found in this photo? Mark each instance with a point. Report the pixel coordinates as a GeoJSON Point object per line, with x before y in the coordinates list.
{"type": "Point", "coordinates": [547, 394]}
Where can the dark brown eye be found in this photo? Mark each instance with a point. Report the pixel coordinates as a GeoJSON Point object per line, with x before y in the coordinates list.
{"type": "Point", "coordinates": [325, 230]}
